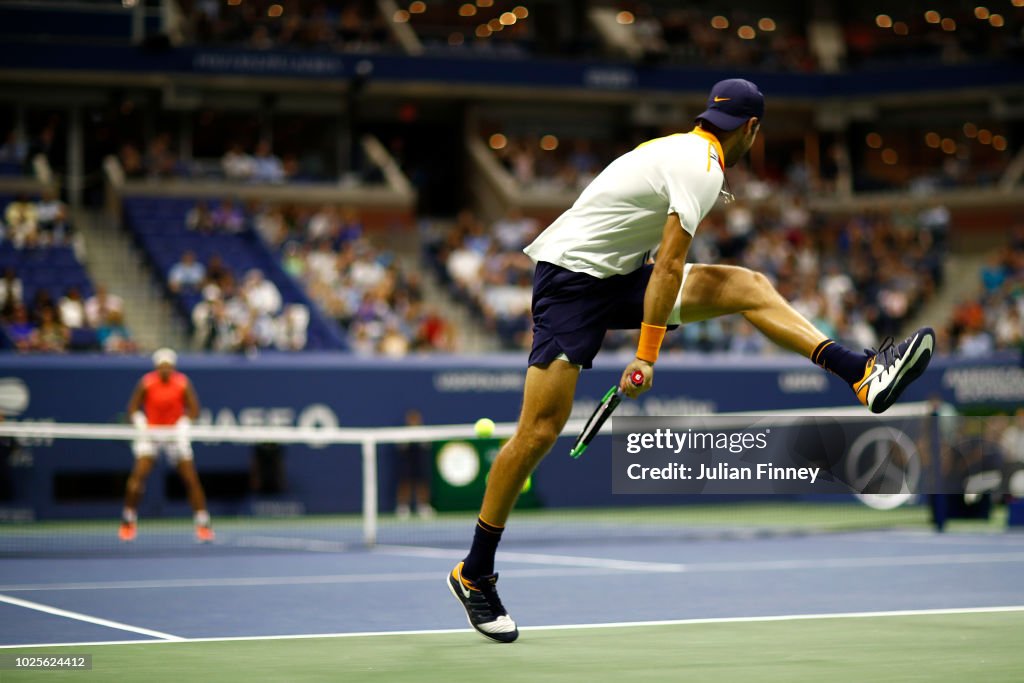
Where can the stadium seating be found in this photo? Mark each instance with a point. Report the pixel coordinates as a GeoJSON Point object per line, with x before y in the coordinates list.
{"type": "Point", "coordinates": [159, 228]}
{"type": "Point", "coordinates": [54, 269]}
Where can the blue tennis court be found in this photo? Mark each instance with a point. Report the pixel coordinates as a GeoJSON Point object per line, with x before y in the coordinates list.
{"type": "Point", "coordinates": [203, 593]}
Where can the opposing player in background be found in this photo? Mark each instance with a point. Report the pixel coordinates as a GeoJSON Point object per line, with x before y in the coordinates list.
{"type": "Point", "coordinates": [594, 274]}
{"type": "Point", "coordinates": [164, 398]}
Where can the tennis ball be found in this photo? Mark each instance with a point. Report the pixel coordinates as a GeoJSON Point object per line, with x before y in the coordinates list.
{"type": "Point", "coordinates": [484, 427]}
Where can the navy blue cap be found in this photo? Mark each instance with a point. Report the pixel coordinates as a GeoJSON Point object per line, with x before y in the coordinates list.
{"type": "Point", "coordinates": [732, 102]}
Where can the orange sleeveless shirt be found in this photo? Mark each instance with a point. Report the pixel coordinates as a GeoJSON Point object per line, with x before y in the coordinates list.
{"type": "Point", "coordinates": [164, 402]}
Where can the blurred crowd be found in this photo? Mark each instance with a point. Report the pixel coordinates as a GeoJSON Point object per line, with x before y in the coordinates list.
{"type": "Point", "coordinates": [543, 165]}
{"type": "Point", "coordinates": [37, 242]}
{"type": "Point", "coordinates": [236, 315]}
{"type": "Point", "coordinates": [372, 296]}
{"type": "Point", "coordinates": [31, 223]}
{"type": "Point", "coordinates": [993, 320]}
{"type": "Point", "coordinates": [256, 165]}
{"type": "Point", "coordinates": [374, 299]}
{"type": "Point", "coordinates": [337, 25]}
{"type": "Point", "coordinates": [701, 37]}
{"type": "Point", "coordinates": [777, 38]}
{"type": "Point", "coordinates": [858, 278]}
{"type": "Point", "coordinates": [485, 269]}
{"type": "Point", "coordinates": [71, 323]}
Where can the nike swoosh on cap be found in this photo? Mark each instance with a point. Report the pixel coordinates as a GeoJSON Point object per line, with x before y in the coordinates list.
{"type": "Point", "coordinates": [722, 99]}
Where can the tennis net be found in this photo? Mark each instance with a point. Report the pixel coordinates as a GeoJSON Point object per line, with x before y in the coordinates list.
{"type": "Point", "coordinates": [51, 510]}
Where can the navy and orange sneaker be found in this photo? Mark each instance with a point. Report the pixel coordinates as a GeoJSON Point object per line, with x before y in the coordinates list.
{"type": "Point", "coordinates": [483, 607]}
{"type": "Point", "coordinates": [892, 368]}
{"type": "Point", "coordinates": [204, 533]}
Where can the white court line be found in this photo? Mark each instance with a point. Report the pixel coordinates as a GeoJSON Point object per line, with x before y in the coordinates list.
{"type": "Point", "coordinates": [574, 566]}
{"type": "Point", "coordinates": [242, 582]}
{"type": "Point", "coordinates": [568, 627]}
{"type": "Point", "coordinates": [736, 566]}
{"type": "Point", "coordinates": [934, 539]}
{"type": "Point", "coordinates": [78, 616]}
{"type": "Point", "coordinates": [533, 558]}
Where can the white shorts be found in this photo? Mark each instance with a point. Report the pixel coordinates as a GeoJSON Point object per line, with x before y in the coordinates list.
{"type": "Point", "coordinates": [174, 449]}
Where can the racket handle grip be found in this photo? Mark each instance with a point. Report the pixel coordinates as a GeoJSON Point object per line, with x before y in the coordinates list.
{"type": "Point", "coordinates": [637, 378]}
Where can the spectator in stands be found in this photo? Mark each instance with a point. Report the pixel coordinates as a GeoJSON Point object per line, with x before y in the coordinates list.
{"type": "Point", "coordinates": [22, 222]}
{"type": "Point", "coordinates": [975, 342]}
{"type": "Point", "coordinates": [744, 340]}
{"type": "Point", "coordinates": [51, 336]}
{"type": "Point", "coordinates": [52, 215]}
{"type": "Point", "coordinates": [215, 331]}
{"type": "Point", "coordinates": [237, 164]}
{"type": "Point", "coordinates": [323, 225]}
{"type": "Point", "coordinates": [72, 308]}
{"type": "Point", "coordinates": [113, 336]}
{"type": "Point", "coordinates": [434, 333]}
{"type": "Point", "coordinates": [41, 301]}
{"type": "Point", "coordinates": [266, 166]}
{"type": "Point", "coordinates": [100, 305]}
{"type": "Point", "coordinates": [393, 342]}
{"type": "Point", "coordinates": [261, 294]}
{"type": "Point", "coordinates": [131, 161]}
{"type": "Point", "coordinates": [514, 231]}
{"type": "Point", "coordinates": [1009, 329]}
{"type": "Point", "coordinates": [216, 271]}
{"type": "Point", "coordinates": [292, 327]}
{"type": "Point", "coordinates": [994, 273]}
{"type": "Point", "coordinates": [350, 228]}
{"type": "Point", "coordinates": [293, 259]}
{"type": "Point", "coordinates": [20, 329]}
{"type": "Point", "coordinates": [199, 218]}
{"type": "Point", "coordinates": [161, 161]}
{"type": "Point", "coordinates": [228, 217]}
{"type": "Point", "coordinates": [186, 275]}
{"type": "Point", "coordinates": [271, 226]}
{"type": "Point", "coordinates": [11, 291]}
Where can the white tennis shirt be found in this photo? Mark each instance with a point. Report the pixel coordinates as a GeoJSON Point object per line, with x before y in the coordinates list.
{"type": "Point", "coordinates": [618, 220]}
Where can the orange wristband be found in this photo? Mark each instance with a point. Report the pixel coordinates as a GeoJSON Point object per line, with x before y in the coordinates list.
{"type": "Point", "coordinates": [651, 337]}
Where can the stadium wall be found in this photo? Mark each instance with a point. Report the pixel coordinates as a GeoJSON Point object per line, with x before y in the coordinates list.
{"type": "Point", "coordinates": [341, 390]}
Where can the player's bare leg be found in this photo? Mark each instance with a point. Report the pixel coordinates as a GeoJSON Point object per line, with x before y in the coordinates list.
{"type": "Point", "coordinates": [713, 291]}
{"type": "Point", "coordinates": [196, 499]}
{"type": "Point", "coordinates": [547, 404]}
{"type": "Point", "coordinates": [134, 489]}
{"type": "Point", "coordinates": [878, 380]}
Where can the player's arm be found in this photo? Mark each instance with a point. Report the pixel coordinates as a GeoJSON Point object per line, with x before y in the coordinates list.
{"type": "Point", "coordinates": [135, 413]}
{"type": "Point", "coordinates": [191, 401]}
{"type": "Point", "coordinates": [659, 299]}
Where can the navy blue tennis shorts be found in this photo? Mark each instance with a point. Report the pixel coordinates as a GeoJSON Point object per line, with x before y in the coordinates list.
{"type": "Point", "coordinates": [572, 311]}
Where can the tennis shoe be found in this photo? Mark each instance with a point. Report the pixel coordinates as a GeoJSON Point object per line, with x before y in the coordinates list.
{"type": "Point", "coordinates": [127, 531]}
{"type": "Point", "coordinates": [204, 533]}
{"type": "Point", "coordinates": [892, 367]}
{"type": "Point", "coordinates": [483, 606]}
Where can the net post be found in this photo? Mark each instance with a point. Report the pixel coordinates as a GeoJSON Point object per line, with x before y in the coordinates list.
{"type": "Point", "coordinates": [369, 492]}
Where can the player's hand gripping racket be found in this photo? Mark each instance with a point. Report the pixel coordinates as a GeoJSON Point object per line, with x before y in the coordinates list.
{"type": "Point", "coordinates": [601, 414]}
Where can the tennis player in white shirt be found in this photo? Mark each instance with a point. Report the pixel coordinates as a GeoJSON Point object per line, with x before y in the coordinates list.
{"type": "Point", "coordinates": [594, 274]}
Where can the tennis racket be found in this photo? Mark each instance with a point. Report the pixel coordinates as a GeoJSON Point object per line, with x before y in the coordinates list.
{"type": "Point", "coordinates": [601, 414]}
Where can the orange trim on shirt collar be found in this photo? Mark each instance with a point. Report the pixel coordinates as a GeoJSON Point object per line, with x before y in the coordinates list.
{"type": "Point", "coordinates": [713, 141]}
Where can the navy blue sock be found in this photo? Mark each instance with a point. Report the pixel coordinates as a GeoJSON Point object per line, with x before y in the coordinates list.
{"type": "Point", "coordinates": [480, 561]}
{"type": "Point", "coordinates": [839, 360]}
